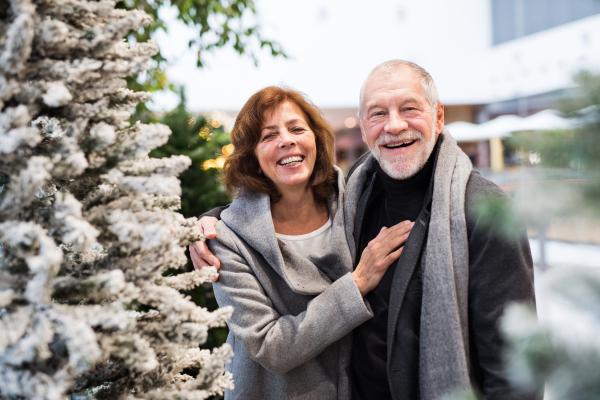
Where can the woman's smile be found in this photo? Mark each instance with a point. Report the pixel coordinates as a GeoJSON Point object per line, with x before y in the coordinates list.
{"type": "Point", "coordinates": [291, 161]}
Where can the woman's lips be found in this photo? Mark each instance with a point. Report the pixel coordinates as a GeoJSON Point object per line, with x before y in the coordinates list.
{"type": "Point", "coordinates": [291, 161]}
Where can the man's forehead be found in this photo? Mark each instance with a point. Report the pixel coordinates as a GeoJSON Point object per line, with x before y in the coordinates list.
{"type": "Point", "coordinates": [398, 81]}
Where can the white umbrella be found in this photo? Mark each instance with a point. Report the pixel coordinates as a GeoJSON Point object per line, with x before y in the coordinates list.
{"type": "Point", "coordinates": [546, 120]}
{"type": "Point", "coordinates": [506, 124]}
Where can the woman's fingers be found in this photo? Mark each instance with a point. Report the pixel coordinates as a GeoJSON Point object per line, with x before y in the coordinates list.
{"type": "Point", "coordinates": [379, 254]}
{"type": "Point", "coordinates": [391, 238]}
{"type": "Point", "coordinates": [394, 255]}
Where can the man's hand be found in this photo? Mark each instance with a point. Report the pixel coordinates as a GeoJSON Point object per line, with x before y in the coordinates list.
{"type": "Point", "coordinates": [201, 255]}
{"type": "Point", "coordinates": [380, 253]}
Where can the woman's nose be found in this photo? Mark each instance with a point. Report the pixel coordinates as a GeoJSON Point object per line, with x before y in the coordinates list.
{"type": "Point", "coordinates": [286, 139]}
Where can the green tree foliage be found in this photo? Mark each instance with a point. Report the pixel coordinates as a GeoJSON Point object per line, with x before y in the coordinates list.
{"type": "Point", "coordinates": [196, 137]}
{"type": "Point", "coordinates": [219, 23]}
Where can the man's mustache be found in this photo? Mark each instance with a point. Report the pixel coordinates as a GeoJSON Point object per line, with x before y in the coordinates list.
{"type": "Point", "coordinates": [408, 135]}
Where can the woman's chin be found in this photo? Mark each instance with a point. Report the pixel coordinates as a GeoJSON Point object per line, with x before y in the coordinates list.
{"type": "Point", "coordinates": [292, 182]}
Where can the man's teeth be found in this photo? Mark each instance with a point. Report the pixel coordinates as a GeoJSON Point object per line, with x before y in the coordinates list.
{"type": "Point", "coordinates": [396, 145]}
{"type": "Point", "coordinates": [295, 160]}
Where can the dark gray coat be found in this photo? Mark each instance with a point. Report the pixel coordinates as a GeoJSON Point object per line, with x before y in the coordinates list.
{"type": "Point", "coordinates": [500, 270]}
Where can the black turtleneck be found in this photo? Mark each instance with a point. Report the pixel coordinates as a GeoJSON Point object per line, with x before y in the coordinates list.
{"type": "Point", "coordinates": [391, 202]}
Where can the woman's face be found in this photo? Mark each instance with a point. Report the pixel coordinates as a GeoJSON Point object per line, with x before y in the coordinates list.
{"type": "Point", "coordinates": [286, 150]}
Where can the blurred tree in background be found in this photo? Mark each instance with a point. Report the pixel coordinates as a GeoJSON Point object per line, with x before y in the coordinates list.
{"type": "Point", "coordinates": [219, 23]}
{"type": "Point", "coordinates": [561, 351]}
{"type": "Point", "coordinates": [561, 175]}
{"type": "Point", "coordinates": [202, 140]}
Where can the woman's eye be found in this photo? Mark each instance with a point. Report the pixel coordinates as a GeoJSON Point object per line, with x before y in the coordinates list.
{"type": "Point", "coordinates": [298, 129]}
{"type": "Point", "coordinates": [268, 136]}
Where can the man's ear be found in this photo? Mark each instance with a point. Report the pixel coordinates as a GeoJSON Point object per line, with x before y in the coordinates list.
{"type": "Point", "coordinates": [439, 124]}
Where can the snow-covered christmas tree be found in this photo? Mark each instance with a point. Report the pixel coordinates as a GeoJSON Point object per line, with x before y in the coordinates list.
{"type": "Point", "coordinates": [88, 222]}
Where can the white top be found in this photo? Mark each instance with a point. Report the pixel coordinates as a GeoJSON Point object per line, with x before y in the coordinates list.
{"type": "Point", "coordinates": [309, 243]}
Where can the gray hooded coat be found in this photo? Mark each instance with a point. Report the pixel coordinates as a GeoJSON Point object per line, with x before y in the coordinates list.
{"type": "Point", "coordinates": [292, 319]}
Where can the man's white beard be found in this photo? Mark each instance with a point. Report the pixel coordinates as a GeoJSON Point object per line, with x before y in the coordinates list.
{"type": "Point", "coordinates": [403, 166]}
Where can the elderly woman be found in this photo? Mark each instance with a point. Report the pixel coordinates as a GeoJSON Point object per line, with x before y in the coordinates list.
{"type": "Point", "coordinates": [286, 265]}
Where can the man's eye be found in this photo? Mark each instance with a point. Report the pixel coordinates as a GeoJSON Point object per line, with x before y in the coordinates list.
{"type": "Point", "coordinates": [377, 114]}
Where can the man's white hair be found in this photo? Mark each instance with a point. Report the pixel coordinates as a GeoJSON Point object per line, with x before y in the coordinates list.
{"type": "Point", "coordinates": [391, 67]}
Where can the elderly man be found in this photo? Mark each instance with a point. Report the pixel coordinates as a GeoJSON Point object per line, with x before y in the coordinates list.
{"type": "Point", "coordinates": [436, 311]}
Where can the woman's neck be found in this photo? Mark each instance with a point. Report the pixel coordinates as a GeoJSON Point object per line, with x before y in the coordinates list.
{"type": "Point", "coordinates": [298, 212]}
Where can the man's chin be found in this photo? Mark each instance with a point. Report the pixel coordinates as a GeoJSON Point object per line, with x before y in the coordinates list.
{"type": "Point", "coordinates": [402, 170]}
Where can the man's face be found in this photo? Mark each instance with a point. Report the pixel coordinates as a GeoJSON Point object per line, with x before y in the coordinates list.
{"type": "Point", "coordinates": [399, 125]}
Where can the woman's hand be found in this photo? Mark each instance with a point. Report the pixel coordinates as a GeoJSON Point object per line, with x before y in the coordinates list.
{"type": "Point", "coordinates": [201, 255]}
{"type": "Point", "coordinates": [379, 255]}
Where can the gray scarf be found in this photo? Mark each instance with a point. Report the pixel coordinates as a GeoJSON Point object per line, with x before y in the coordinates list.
{"type": "Point", "coordinates": [444, 352]}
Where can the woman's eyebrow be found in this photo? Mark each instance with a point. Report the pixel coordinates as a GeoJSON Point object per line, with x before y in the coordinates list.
{"type": "Point", "coordinates": [269, 127]}
{"type": "Point", "coordinates": [293, 121]}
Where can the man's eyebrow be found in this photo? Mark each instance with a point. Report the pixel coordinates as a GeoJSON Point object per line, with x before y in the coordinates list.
{"type": "Point", "coordinates": [411, 100]}
{"type": "Point", "coordinates": [372, 106]}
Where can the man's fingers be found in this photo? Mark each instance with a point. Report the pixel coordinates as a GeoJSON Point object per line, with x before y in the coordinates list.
{"type": "Point", "coordinates": [207, 225]}
{"type": "Point", "coordinates": [214, 261]}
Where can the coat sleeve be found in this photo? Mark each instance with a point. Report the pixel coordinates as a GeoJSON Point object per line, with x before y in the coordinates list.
{"type": "Point", "coordinates": [276, 341]}
{"type": "Point", "coordinates": [501, 272]}
{"type": "Point", "coordinates": [215, 212]}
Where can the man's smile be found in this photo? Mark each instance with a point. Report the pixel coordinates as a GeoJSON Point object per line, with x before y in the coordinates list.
{"type": "Point", "coordinates": [398, 145]}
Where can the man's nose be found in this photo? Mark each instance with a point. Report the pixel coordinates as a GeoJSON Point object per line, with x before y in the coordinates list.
{"type": "Point", "coordinates": [286, 139]}
{"type": "Point", "coordinates": [396, 123]}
